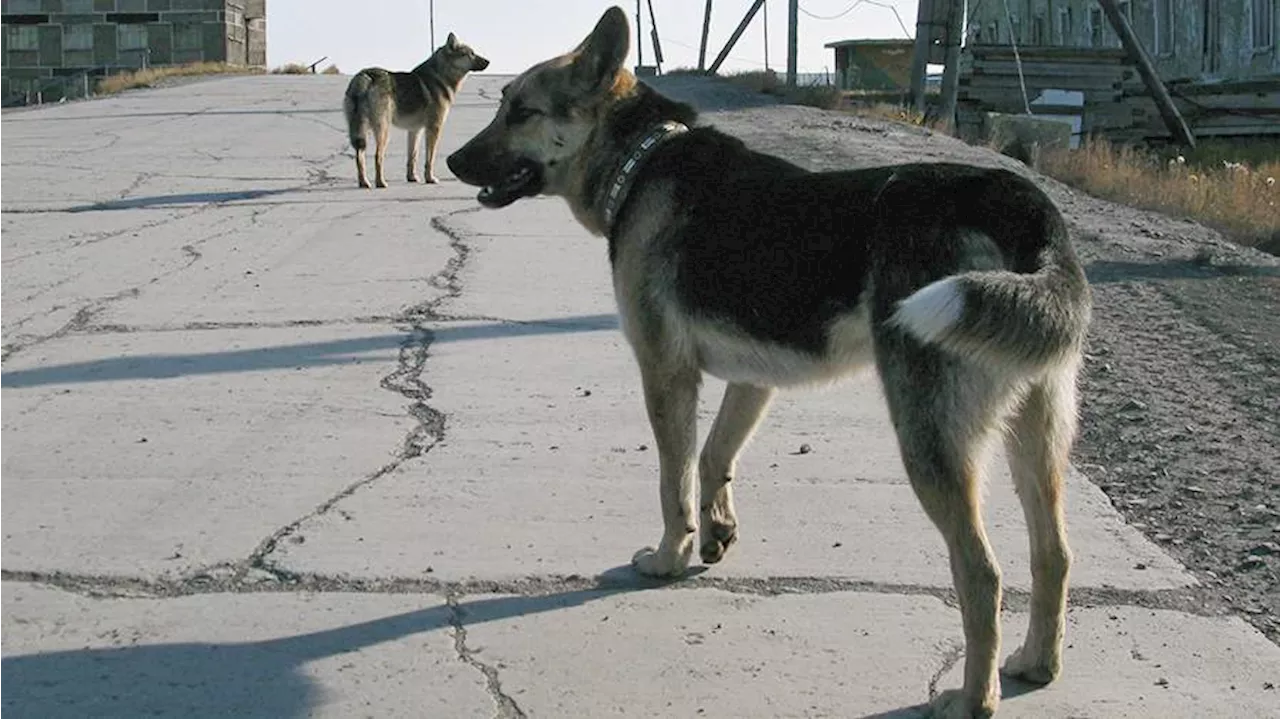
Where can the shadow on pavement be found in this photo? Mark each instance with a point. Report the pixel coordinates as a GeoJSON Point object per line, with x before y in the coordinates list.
{"type": "Point", "coordinates": [251, 679]}
{"type": "Point", "coordinates": [190, 198]}
{"type": "Point", "coordinates": [307, 354]}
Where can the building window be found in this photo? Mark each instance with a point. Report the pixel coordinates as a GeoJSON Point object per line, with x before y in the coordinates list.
{"type": "Point", "coordinates": [1263, 24]}
{"type": "Point", "coordinates": [131, 37]}
{"type": "Point", "coordinates": [1064, 26]}
{"type": "Point", "coordinates": [1038, 32]}
{"type": "Point", "coordinates": [77, 37]}
{"type": "Point", "coordinates": [1163, 12]}
{"type": "Point", "coordinates": [1097, 31]}
{"type": "Point", "coordinates": [188, 36]}
{"type": "Point", "coordinates": [23, 37]}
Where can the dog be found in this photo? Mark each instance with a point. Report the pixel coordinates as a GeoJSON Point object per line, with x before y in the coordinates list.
{"type": "Point", "coordinates": [958, 283]}
{"type": "Point", "coordinates": [415, 101]}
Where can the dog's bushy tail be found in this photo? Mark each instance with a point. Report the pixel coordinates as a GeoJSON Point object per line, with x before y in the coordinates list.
{"type": "Point", "coordinates": [352, 107]}
{"type": "Point", "coordinates": [1019, 322]}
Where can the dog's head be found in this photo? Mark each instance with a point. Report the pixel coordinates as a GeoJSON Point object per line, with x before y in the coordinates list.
{"type": "Point", "coordinates": [546, 118]}
{"type": "Point", "coordinates": [459, 58]}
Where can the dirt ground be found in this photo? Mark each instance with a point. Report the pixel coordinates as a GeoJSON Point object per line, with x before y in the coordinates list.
{"type": "Point", "coordinates": [1180, 415]}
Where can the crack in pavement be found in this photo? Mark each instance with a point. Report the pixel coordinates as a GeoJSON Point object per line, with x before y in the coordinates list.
{"type": "Point", "coordinates": [406, 380]}
{"type": "Point", "coordinates": [87, 312]}
{"type": "Point", "coordinates": [952, 656]}
{"type": "Point", "coordinates": [506, 707]}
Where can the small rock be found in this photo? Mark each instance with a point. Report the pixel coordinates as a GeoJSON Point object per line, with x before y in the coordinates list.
{"type": "Point", "coordinates": [142, 441]}
{"type": "Point", "coordinates": [1250, 562]}
{"type": "Point", "coordinates": [804, 449]}
{"type": "Point", "coordinates": [1140, 565]}
{"type": "Point", "coordinates": [1193, 489]}
{"type": "Point", "coordinates": [258, 576]}
{"type": "Point", "coordinates": [837, 545]}
{"type": "Point", "coordinates": [1134, 404]}
{"type": "Point", "coordinates": [1265, 549]}
{"type": "Point", "coordinates": [1162, 682]}
{"type": "Point", "coordinates": [298, 539]}
{"type": "Point", "coordinates": [642, 448]}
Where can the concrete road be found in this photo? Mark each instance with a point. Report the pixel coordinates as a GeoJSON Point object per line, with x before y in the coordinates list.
{"type": "Point", "coordinates": [276, 446]}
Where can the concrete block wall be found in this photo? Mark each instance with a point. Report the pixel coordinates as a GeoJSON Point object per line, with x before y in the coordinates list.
{"type": "Point", "coordinates": [44, 40]}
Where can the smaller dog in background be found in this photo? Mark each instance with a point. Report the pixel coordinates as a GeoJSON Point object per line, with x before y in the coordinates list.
{"type": "Point", "coordinates": [415, 101]}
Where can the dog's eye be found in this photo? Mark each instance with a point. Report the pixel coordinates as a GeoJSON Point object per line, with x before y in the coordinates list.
{"type": "Point", "coordinates": [517, 114]}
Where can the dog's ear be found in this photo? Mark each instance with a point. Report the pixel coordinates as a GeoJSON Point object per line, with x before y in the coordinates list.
{"type": "Point", "coordinates": [452, 41]}
{"type": "Point", "coordinates": [601, 55]}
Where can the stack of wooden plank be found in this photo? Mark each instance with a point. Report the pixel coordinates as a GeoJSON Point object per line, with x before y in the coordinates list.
{"type": "Point", "coordinates": [1211, 109]}
{"type": "Point", "coordinates": [990, 82]}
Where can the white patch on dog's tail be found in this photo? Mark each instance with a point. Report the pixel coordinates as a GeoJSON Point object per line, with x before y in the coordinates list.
{"type": "Point", "coordinates": [933, 311]}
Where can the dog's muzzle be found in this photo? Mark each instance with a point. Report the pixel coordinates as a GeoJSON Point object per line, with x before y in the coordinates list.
{"type": "Point", "coordinates": [501, 182]}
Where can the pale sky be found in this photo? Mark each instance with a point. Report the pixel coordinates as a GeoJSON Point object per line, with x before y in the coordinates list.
{"type": "Point", "coordinates": [515, 34]}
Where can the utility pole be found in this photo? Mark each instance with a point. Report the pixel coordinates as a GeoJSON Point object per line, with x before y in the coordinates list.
{"type": "Point", "coordinates": [951, 68]}
{"type": "Point", "coordinates": [432, 10]}
{"type": "Point", "coordinates": [639, 36]}
{"type": "Point", "coordinates": [706, 27]}
{"type": "Point", "coordinates": [920, 56]}
{"type": "Point", "coordinates": [793, 16]}
{"type": "Point", "coordinates": [766, 36]}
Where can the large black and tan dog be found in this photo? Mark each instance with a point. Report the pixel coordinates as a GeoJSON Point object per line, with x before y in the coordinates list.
{"type": "Point", "coordinates": [417, 100]}
{"type": "Point", "coordinates": [958, 283]}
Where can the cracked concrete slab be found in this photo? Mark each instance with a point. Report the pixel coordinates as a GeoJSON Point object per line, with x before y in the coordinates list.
{"type": "Point", "coordinates": [279, 656]}
{"type": "Point", "coordinates": [160, 453]}
{"type": "Point", "coordinates": [557, 468]}
{"type": "Point", "coordinates": [392, 439]}
{"type": "Point", "coordinates": [714, 654]}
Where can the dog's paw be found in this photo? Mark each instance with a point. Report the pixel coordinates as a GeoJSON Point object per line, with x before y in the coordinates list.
{"type": "Point", "coordinates": [955, 704]}
{"type": "Point", "coordinates": [1030, 666]}
{"type": "Point", "coordinates": [716, 539]}
{"type": "Point", "coordinates": [365, 184]}
{"type": "Point", "coordinates": [433, 180]}
{"type": "Point", "coordinates": [661, 562]}
{"type": "Point", "coordinates": [382, 184]}
{"type": "Point", "coordinates": [412, 179]}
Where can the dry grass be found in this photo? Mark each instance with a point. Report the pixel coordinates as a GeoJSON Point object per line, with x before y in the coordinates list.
{"type": "Point", "coordinates": [292, 68]}
{"type": "Point", "coordinates": [147, 78]}
{"type": "Point", "coordinates": [1243, 200]}
{"type": "Point", "coordinates": [331, 70]}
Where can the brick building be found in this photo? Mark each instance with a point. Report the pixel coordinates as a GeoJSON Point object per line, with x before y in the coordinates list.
{"type": "Point", "coordinates": [57, 47]}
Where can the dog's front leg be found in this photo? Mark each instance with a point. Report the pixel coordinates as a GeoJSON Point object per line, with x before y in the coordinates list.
{"type": "Point", "coordinates": [671, 398]}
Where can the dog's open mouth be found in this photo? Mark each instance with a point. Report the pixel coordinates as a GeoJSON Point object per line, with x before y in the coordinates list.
{"type": "Point", "coordinates": [524, 181]}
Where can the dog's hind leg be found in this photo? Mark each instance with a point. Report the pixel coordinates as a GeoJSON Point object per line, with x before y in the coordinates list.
{"type": "Point", "coordinates": [944, 413]}
{"type": "Point", "coordinates": [381, 136]}
{"type": "Point", "coordinates": [411, 171]}
{"type": "Point", "coordinates": [740, 413]}
{"type": "Point", "coordinates": [671, 398]}
{"type": "Point", "coordinates": [361, 176]}
{"type": "Point", "coordinates": [1038, 443]}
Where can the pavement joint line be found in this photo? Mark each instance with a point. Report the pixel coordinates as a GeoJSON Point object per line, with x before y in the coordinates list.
{"type": "Point", "coordinates": [212, 325]}
{"type": "Point", "coordinates": [226, 579]}
{"type": "Point", "coordinates": [506, 707]}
